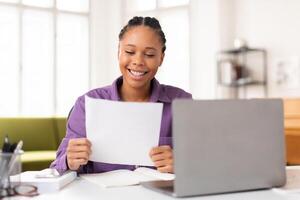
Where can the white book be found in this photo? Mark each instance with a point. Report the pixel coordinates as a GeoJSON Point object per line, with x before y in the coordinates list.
{"type": "Point", "coordinates": [125, 177]}
{"type": "Point", "coordinates": [45, 183]}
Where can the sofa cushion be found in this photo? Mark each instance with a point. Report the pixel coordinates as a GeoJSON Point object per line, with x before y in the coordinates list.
{"type": "Point", "coordinates": [36, 156]}
{"type": "Point", "coordinates": [41, 137]}
{"type": "Point", "coordinates": [37, 160]}
{"type": "Point", "coordinates": [61, 128]}
{"type": "Point", "coordinates": [36, 133]}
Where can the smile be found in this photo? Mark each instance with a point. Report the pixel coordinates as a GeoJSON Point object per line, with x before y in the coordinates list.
{"type": "Point", "coordinates": [137, 73]}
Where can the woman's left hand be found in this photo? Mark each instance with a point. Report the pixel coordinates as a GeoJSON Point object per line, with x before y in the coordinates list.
{"type": "Point", "coordinates": [162, 157]}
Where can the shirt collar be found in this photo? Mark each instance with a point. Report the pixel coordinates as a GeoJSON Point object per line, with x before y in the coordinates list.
{"type": "Point", "coordinates": [157, 93]}
{"type": "Point", "coordinates": [115, 91]}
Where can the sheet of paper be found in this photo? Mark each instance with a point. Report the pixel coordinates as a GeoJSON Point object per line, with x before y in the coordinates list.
{"type": "Point", "coordinates": [122, 132]}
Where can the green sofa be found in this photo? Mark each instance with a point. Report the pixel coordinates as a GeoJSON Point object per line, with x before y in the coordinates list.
{"type": "Point", "coordinates": [41, 138]}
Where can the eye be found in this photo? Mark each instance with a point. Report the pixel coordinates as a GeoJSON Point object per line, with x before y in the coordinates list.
{"type": "Point", "coordinates": [129, 52]}
{"type": "Point", "coordinates": [150, 55]}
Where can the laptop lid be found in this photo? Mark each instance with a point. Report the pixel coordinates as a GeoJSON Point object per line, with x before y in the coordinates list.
{"type": "Point", "coordinates": [227, 145]}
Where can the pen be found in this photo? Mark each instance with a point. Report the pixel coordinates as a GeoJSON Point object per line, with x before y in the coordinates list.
{"type": "Point", "coordinates": [6, 145]}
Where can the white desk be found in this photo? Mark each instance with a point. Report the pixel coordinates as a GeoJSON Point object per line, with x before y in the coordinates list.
{"type": "Point", "coordinates": [84, 190]}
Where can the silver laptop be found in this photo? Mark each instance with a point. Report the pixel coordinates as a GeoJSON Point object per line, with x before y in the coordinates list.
{"type": "Point", "coordinates": [225, 146]}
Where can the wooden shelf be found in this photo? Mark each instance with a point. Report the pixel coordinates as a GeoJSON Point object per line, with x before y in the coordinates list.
{"type": "Point", "coordinates": [292, 130]}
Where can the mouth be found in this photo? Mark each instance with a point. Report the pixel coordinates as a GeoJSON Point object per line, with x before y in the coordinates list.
{"type": "Point", "coordinates": [137, 74]}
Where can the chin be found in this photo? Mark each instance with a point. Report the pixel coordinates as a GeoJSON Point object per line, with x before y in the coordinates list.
{"type": "Point", "coordinates": [136, 83]}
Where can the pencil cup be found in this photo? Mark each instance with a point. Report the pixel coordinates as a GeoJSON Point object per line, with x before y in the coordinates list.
{"type": "Point", "coordinates": [10, 171]}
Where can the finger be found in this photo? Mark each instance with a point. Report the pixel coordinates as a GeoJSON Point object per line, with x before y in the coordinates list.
{"type": "Point", "coordinates": [163, 163]}
{"type": "Point", "coordinates": [79, 155]}
{"type": "Point", "coordinates": [160, 149]}
{"type": "Point", "coordinates": [162, 156]}
{"type": "Point", "coordinates": [79, 141]}
{"type": "Point", "coordinates": [74, 164]}
{"type": "Point", "coordinates": [73, 150]}
{"type": "Point", "coordinates": [80, 148]}
{"type": "Point", "coordinates": [166, 169]}
{"type": "Point", "coordinates": [78, 162]}
{"type": "Point", "coordinates": [157, 157]}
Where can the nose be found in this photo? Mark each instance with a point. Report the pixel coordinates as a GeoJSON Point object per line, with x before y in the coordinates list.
{"type": "Point", "coordinates": [138, 59]}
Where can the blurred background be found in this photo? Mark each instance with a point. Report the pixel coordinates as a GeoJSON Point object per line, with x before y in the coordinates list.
{"type": "Point", "coordinates": [52, 51]}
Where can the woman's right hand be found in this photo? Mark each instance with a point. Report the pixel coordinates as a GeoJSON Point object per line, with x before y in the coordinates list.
{"type": "Point", "coordinates": [78, 152]}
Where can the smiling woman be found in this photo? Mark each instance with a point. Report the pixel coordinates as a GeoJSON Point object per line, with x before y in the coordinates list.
{"type": "Point", "coordinates": [141, 52]}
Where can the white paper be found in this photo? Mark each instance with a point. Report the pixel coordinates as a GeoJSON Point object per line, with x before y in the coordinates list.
{"type": "Point", "coordinates": [122, 132]}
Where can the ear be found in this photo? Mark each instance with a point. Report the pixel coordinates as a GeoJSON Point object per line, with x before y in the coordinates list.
{"type": "Point", "coordinates": [162, 58]}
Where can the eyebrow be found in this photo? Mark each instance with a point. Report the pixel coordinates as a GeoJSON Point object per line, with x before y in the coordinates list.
{"type": "Point", "coordinates": [150, 48]}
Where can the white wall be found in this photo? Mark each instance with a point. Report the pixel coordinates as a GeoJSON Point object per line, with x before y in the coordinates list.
{"type": "Point", "coordinates": [211, 29]}
{"type": "Point", "coordinates": [271, 24]}
{"type": "Point", "coordinates": [203, 45]}
{"type": "Point", "coordinates": [207, 20]}
{"type": "Point", "coordinates": [106, 23]}
{"type": "Point", "coordinates": [274, 25]}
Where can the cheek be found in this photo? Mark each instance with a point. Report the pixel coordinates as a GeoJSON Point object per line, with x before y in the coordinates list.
{"type": "Point", "coordinates": [153, 64]}
{"type": "Point", "coordinates": [123, 61]}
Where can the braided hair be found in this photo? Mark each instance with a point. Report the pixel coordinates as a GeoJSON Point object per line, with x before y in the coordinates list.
{"type": "Point", "coordinates": [150, 22]}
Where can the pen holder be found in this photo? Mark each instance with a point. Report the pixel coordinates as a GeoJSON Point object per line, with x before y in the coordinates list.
{"type": "Point", "coordinates": [10, 167]}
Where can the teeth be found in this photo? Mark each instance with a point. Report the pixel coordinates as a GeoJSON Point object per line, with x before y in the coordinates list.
{"type": "Point", "coordinates": [136, 73]}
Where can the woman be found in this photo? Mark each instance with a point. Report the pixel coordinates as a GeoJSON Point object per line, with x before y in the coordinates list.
{"type": "Point", "coordinates": [141, 52]}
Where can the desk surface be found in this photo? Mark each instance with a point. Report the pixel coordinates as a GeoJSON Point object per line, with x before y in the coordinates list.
{"type": "Point", "coordinates": [82, 189]}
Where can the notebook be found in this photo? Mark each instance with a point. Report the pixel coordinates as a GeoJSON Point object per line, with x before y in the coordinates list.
{"type": "Point", "coordinates": [123, 177]}
{"type": "Point", "coordinates": [45, 184]}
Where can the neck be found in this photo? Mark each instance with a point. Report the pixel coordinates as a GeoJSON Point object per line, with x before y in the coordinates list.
{"type": "Point", "coordinates": [134, 94]}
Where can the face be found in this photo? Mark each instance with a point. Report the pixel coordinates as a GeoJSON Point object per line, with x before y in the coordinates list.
{"type": "Point", "coordinates": [140, 55]}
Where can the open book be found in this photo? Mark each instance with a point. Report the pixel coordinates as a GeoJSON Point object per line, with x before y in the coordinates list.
{"type": "Point", "coordinates": [125, 177]}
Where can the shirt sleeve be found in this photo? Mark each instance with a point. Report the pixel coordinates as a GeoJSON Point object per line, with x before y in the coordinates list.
{"type": "Point", "coordinates": [75, 129]}
{"type": "Point", "coordinates": [186, 95]}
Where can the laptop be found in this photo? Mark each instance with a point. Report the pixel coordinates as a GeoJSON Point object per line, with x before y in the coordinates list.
{"type": "Point", "coordinates": [223, 146]}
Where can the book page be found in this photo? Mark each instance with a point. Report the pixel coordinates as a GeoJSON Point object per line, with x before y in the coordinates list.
{"type": "Point", "coordinates": [152, 174]}
{"type": "Point", "coordinates": [124, 177]}
{"type": "Point", "coordinates": [114, 178]}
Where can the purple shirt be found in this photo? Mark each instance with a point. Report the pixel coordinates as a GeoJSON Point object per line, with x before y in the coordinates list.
{"type": "Point", "coordinates": [76, 123]}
